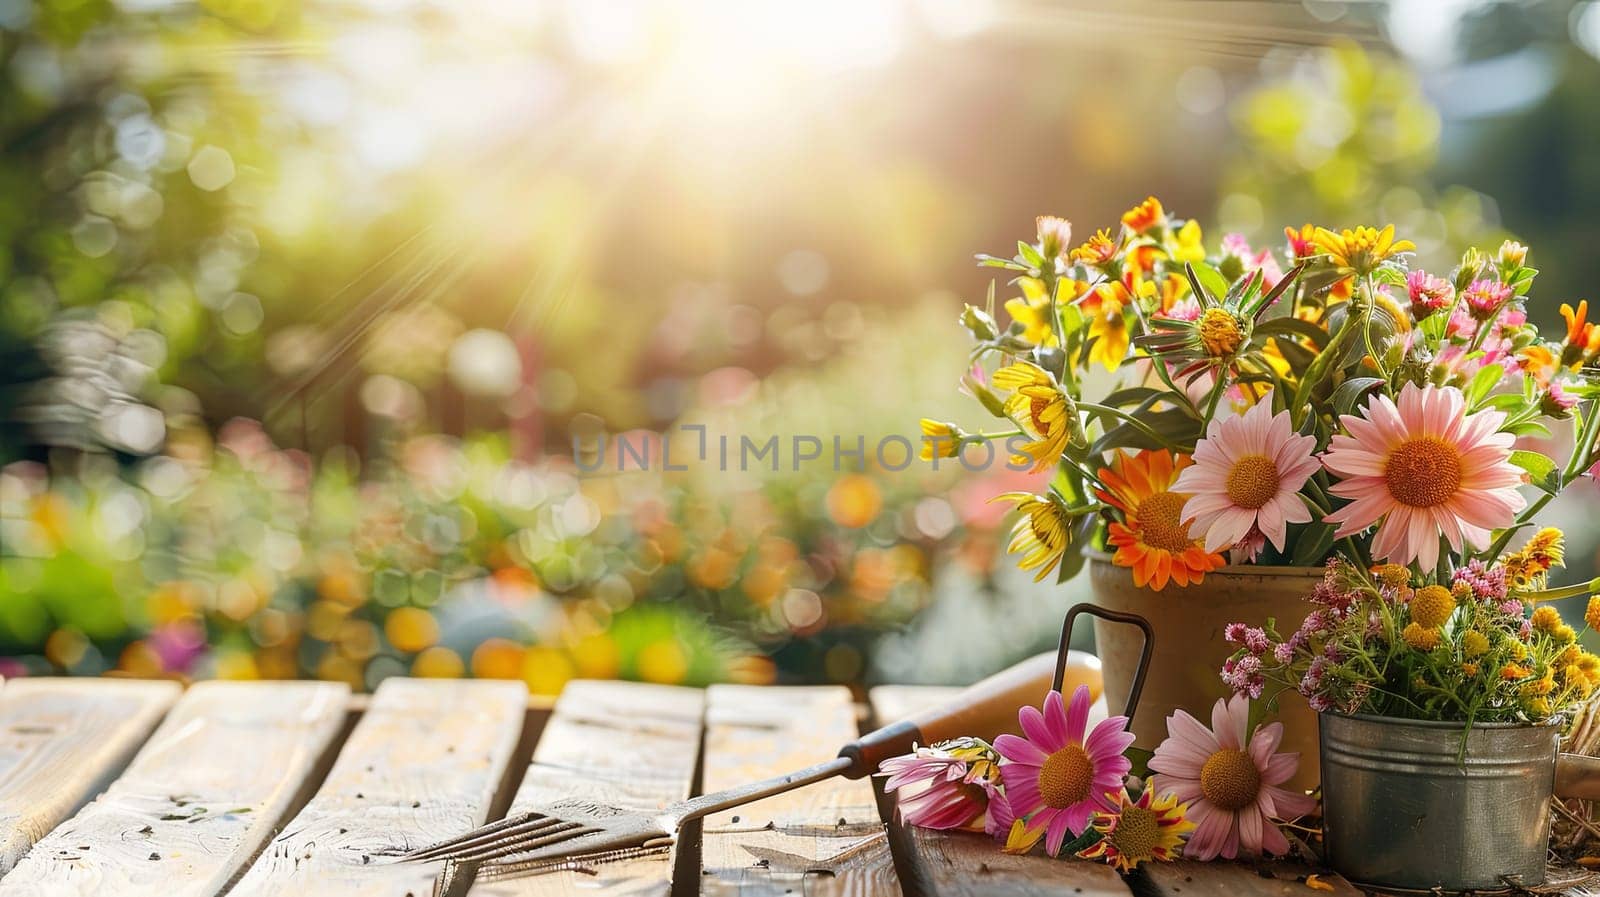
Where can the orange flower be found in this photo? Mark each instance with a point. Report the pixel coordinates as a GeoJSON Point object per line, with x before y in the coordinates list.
{"type": "Point", "coordinates": [1583, 336]}
{"type": "Point", "coordinates": [1153, 540]}
{"type": "Point", "coordinates": [1302, 242]}
{"type": "Point", "coordinates": [1144, 216]}
{"type": "Point", "coordinates": [1538, 362]}
{"type": "Point", "coordinates": [1144, 257]}
{"type": "Point", "coordinates": [1098, 251]}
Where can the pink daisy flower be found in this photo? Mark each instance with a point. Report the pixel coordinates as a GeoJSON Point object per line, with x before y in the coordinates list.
{"type": "Point", "coordinates": [1247, 473]}
{"type": "Point", "coordinates": [946, 786]}
{"type": "Point", "coordinates": [1422, 468]}
{"type": "Point", "coordinates": [1230, 779]}
{"type": "Point", "coordinates": [1057, 779]}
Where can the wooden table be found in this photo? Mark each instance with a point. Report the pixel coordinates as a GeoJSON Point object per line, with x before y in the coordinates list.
{"type": "Point", "coordinates": [299, 788]}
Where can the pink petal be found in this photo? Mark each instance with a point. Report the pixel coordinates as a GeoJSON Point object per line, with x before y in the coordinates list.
{"type": "Point", "coordinates": [1034, 726]}
{"type": "Point", "coordinates": [1250, 829]}
{"type": "Point", "coordinates": [1056, 834]}
{"type": "Point", "coordinates": [1264, 742]}
{"type": "Point", "coordinates": [1182, 726]}
{"type": "Point", "coordinates": [1078, 714]}
{"type": "Point", "coordinates": [1280, 768]}
{"type": "Point", "coordinates": [1019, 750]}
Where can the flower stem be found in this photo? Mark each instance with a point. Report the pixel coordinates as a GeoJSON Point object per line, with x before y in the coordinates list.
{"type": "Point", "coordinates": [1571, 591]}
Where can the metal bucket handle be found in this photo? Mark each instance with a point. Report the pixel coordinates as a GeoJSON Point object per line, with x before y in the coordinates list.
{"type": "Point", "coordinates": [1114, 616]}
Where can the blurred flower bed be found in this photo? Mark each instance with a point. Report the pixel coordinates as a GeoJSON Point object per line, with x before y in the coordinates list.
{"type": "Point", "coordinates": [450, 559]}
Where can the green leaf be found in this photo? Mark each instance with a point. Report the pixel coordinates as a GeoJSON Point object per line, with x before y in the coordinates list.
{"type": "Point", "coordinates": [990, 261]}
{"type": "Point", "coordinates": [1078, 539]}
{"type": "Point", "coordinates": [1487, 378]}
{"type": "Point", "coordinates": [1529, 428]}
{"type": "Point", "coordinates": [1390, 276]}
{"type": "Point", "coordinates": [1131, 395]}
{"type": "Point", "coordinates": [1542, 471]}
{"type": "Point", "coordinates": [1027, 253]}
{"type": "Point", "coordinates": [1210, 278]}
{"type": "Point", "coordinates": [1175, 428]}
{"type": "Point", "coordinates": [1351, 391]}
{"type": "Point", "coordinates": [1522, 281]}
{"type": "Point", "coordinates": [1089, 838]}
{"type": "Point", "coordinates": [1313, 544]}
{"type": "Point", "coordinates": [1293, 327]}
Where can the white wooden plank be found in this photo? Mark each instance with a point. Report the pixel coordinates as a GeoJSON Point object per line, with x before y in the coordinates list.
{"type": "Point", "coordinates": [824, 838]}
{"type": "Point", "coordinates": [198, 800]}
{"type": "Point", "coordinates": [424, 763]}
{"type": "Point", "coordinates": [61, 742]}
{"type": "Point", "coordinates": [627, 744]}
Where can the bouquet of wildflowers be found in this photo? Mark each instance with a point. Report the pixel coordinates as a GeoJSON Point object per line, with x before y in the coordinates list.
{"type": "Point", "coordinates": [1388, 643]}
{"type": "Point", "coordinates": [1328, 402]}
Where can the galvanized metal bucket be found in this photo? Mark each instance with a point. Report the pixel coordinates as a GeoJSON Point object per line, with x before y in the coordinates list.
{"type": "Point", "coordinates": [1406, 805]}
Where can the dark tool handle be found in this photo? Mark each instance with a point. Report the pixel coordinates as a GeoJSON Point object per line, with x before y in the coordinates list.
{"type": "Point", "coordinates": [1146, 649]}
{"type": "Point", "coordinates": [983, 710]}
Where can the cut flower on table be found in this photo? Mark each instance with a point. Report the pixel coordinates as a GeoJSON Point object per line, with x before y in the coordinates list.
{"type": "Point", "coordinates": [1071, 787]}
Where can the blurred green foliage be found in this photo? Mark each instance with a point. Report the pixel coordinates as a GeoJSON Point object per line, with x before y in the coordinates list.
{"type": "Point", "coordinates": [1343, 137]}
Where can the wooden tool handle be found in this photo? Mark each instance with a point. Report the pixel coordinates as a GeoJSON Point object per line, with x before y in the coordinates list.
{"type": "Point", "coordinates": [984, 710]}
{"type": "Point", "coordinates": [1578, 776]}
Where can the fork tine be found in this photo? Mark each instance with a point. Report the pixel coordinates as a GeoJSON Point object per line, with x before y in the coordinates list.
{"type": "Point", "coordinates": [520, 822]}
{"type": "Point", "coordinates": [512, 845]}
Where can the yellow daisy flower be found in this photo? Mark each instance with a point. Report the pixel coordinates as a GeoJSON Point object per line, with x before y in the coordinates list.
{"type": "Point", "coordinates": [1040, 535]}
{"type": "Point", "coordinates": [941, 439]}
{"type": "Point", "coordinates": [1150, 828]}
{"type": "Point", "coordinates": [1041, 408]}
{"type": "Point", "coordinates": [1361, 250]}
{"type": "Point", "coordinates": [1186, 245]}
{"type": "Point", "coordinates": [1108, 326]}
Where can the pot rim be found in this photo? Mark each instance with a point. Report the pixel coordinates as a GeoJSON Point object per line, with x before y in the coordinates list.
{"type": "Point", "coordinates": [1453, 725]}
{"type": "Point", "coordinates": [1096, 556]}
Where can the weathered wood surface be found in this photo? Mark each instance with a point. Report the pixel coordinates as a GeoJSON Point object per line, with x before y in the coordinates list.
{"type": "Point", "coordinates": [965, 864]}
{"type": "Point", "coordinates": [1265, 878]}
{"type": "Point", "coordinates": [199, 799]}
{"type": "Point", "coordinates": [626, 744]}
{"type": "Point", "coordinates": [825, 838]}
{"type": "Point", "coordinates": [62, 741]}
{"type": "Point", "coordinates": [424, 763]}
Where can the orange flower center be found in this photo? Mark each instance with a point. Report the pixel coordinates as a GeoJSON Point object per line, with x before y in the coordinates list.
{"type": "Point", "coordinates": [1137, 834]}
{"type": "Point", "coordinates": [1253, 481]}
{"type": "Point", "coordinates": [1066, 776]}
{"type": "Point", "coordinates": [1036, 411]}
{"type": "Point", "coordinates": [1230, 780]}
{"type": "Point", "coordinates": [1159, 524]}
{"type": "Point", "coordinates": [1219, 333]}
{"type": "Point", "coordinates": [1423, 472]}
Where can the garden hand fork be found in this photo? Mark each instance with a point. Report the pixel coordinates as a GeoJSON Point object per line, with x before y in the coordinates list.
{"type": "Point", "coordinates": [571, 828]}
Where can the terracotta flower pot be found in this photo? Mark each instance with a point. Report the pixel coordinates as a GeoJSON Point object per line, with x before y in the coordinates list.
{"type": "Point", "coordinates": [1189, 646]}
